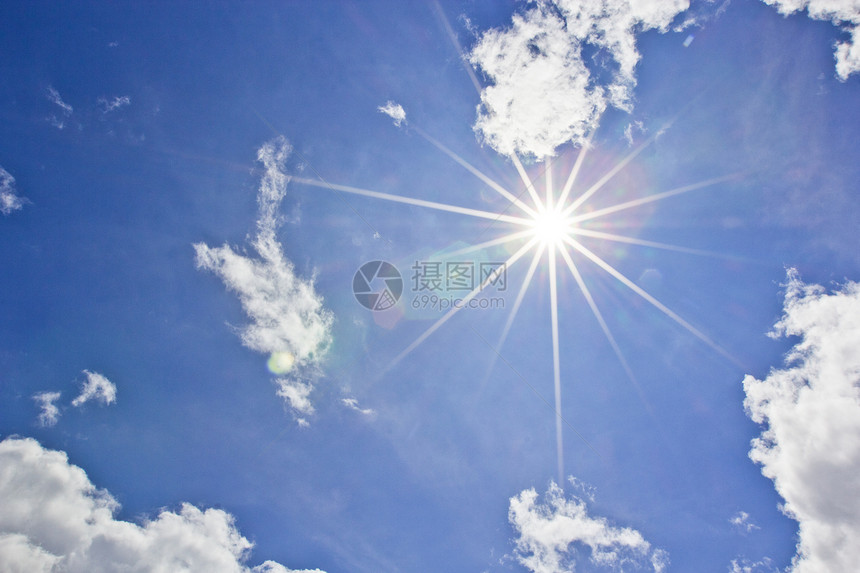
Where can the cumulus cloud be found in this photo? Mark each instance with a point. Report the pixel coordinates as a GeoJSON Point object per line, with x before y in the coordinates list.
{"type": "Point", "coordinates": [841, 12]}
{"type": "Point", "coordinates": [96, 387]}
{"type": "Point", "coordinates": [113, 104]}
{"type": "Point", "coordinates": [810, 410]}
{"type": "Point", "coordinates": [543, 93]}
{"type": "Point", "coordinates": [9, 198]}
{"type": "Point", "coordinates": [55, 519]}
{"type": "Point", "coordinates": [287, 314]}
{"type": "Point", "coordinates": [550, 533]}
{"type": "Point", "coordinates": [394, 111]}
{"type": "Point", "coordinates": [50, 413]}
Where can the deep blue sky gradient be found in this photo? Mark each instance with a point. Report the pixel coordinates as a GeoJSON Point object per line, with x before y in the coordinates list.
{"type": "Point", "coordinates": [98, 273]}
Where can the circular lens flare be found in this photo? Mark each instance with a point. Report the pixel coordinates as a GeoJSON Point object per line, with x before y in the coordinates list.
{"type": "Point", "coordinates": [281, 362]}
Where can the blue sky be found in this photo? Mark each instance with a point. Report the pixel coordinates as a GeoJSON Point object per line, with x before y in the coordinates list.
{"type": "Point", "coordinates": [183, 211]}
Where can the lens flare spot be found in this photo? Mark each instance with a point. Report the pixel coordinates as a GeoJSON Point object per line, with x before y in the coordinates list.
{"type": "Point", "coordinates": [281, 362]}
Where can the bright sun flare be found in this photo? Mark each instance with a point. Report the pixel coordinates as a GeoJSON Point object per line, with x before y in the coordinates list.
{"type": "Point", "coordinates": [550, 228]}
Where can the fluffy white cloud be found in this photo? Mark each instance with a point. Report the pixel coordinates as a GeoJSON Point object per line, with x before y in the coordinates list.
{"type": "Point", "coordinates": [49, 412]}
{"type": "Point", "coordinates": [287, 315]}
{"type": "Point", "coordinates": [542, 93]}
{"type": "Point", "coordinates": [840, 12]}
{"type": "Point", "coordinates": [548, 531]}
{"type": "Point", "coordinates": [810, 445]}
{"type": "Point", "coordinates": [395, 111]}
{"type": "Point", "coordinates": [297, 395]}
{"type": "Point", "coordinates": [96, 387]}
{"type": "Point", "coordinates": [9, 199]}
{"type": "Point", "coordinates": [55, 519]}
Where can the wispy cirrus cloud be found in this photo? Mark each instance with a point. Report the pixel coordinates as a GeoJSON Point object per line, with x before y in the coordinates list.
{"type": "Point", "coordinates": [542, 92]}
{"type": "Point", "coordinates": [288, 319]}
{"type": "Point", "coordinates": [54, 97]}
{"type": "Point", "coordinates": [65, 109]}
{"type": "Point", "coordinates": [810, 410]}
{"type": "Point", "coordinates": [9, 198]}
{"type": "Point", "coordinates": [764, 565]}
{"type": "Point", "coordinates": [109, 105]}
{"type": "Point", "coordinates": [96, 387]}
{"type": "Point", "coordinates": [741, 521]}
{"type": "Point", "coordinates": [49, 413]}
{"type": "Point", "coordinates": [550, 534]}
{"type": "Point", "coordinates": [352, 404]}
{"type": "Point", "coordinates": [842, 13]}
{"type": "Point", "coordinates": [55, 519]}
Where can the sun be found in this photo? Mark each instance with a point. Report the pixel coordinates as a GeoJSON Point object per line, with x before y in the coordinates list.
{"type": "Point", "coordinates": [549, 228]}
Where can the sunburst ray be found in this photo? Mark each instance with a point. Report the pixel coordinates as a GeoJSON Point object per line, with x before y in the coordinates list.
{"type": "Point", "coordinates": [528, 182]}
{"type": "Point", "coordinates": [517, 302]}
{"type": "Point", "coordinates": [416, 202]}
{"type": "Point", "coordinates": [609, 175]}
{"type": "Point", "coordinates": [574, 172]}
{"type": "Point", "coordinates": [651, 198]}
{"type": "Point", "coordinates": [642, 242]}
{"type": "Point", "coordinates": [491, 243]}
{"type": "Point", "coordinates": [556, 369]}
{"type": "Point", "coordinates": [650, 299]}
{"type": "Point", "coordinates": [507, 264]}
{"type": "Point", "coordinates": [476, 172]}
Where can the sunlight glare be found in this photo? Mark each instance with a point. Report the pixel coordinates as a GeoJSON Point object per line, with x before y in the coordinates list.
{"type": "Point", "coordinates": [551, 226]}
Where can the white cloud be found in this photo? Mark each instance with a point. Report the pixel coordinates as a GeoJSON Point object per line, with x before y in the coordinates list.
{"type": "Point", "coordinates": [287, 314]}
{"type": "Point", "coordinates": [741, 520]}
{"type": "Point", "coordinates": [549, 533]}
{"type": "Point", "coordinates": [49, 412]}
{"type": "Point", "coordinates": [810, 445]}
{"type": "Point", "coordinates": [840, 12]}
{"type": "Point", "coordinates": [96, 387]}
{"type": "Point", "coordinates": [764, 565]}
{"type": "Point", "coordinates": [296, 394]}
{"type": "Point", "coordinates": [55, 519]}
{"type": "Point", "coordinates": [542, 92]}
{"type": "Point", "coordinates": [54, 97]}
{"type": "Point", "coordinates": [9, 199]}
{"type": "Point", "coordinates": [394, 111]}
{"type": "Point", "coordinates": [352, 404]}
{"type": "Point", "coordinates": [116, 103]}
